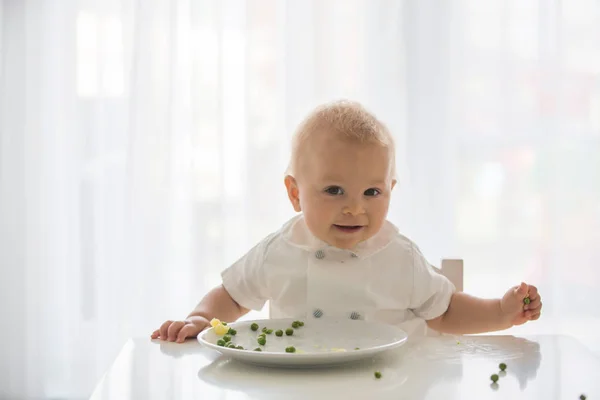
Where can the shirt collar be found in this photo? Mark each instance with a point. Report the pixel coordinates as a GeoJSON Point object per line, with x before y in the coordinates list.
{"type": "Point", "coordinates": [297, 234]}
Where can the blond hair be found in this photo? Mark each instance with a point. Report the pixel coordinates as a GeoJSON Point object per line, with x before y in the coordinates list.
{"type": "Point", "coordinates": [347, 119]}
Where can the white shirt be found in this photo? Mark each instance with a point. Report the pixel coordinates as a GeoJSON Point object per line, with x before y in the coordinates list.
{"type": "Point", "coordinates": [385, 278]}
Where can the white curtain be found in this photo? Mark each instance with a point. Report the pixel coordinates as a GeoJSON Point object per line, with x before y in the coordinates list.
{"type": "Point", "coordinates": [143, 145]}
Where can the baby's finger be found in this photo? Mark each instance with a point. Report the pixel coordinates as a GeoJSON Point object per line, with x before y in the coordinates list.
{"type": "Point", "coordinates": [155, 334]}
{"type": "Point", "coordinates": [534, 304]}
{"type": "Point", "coordinates": [535, 316]}
{"type": "Point", "coordinates": [189, 330]}
{"type": "Point", "coordinates": [533, 293]}
{"type": "Point", "coordinates": [164, 328]}
{"type": "Point", "coordinates": [527, 314]}
{"type": "Point", "coordinates": [536, 309]}
{"type": "Point", "coordinates": [521, 290]}
{"type": "Point", "coordinates": [174, 330]}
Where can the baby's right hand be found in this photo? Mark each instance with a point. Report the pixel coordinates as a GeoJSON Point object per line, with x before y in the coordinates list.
{"type": "Point", "coordinates": [178, 331]}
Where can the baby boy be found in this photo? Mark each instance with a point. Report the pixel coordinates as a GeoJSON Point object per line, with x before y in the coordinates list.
{"type": "Point", "coordinates": [340, 257]}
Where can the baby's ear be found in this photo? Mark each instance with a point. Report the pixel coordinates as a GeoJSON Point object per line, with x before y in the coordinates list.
{"type": "Point", "coordinates": [393, 183]}
{"type": "Point", "coordinates": [293, 193]}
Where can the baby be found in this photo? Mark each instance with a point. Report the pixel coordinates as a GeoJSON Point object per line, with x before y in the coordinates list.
{"type": "Point", "coordinates": [340, 257]}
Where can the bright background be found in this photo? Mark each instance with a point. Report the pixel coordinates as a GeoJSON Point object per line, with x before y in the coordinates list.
{"type": "Point", "coordinates": [143, 146]}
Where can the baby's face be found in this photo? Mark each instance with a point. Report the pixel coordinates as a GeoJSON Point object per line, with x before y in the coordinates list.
{"type": "Point", "coordinates": [344, 189]}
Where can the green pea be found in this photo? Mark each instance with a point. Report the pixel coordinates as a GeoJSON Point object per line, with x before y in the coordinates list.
{"type": "Point", "coordinates": [526, 300]}
{"type": "Point", "coordinates": [582, 397]}
{"type": "Point", "coordinates": [269, 331]}
{"type": "Point", "coordinates": [240, 348]}
{"type": "Point", "coordinates": [377, 374]}
{"type": "Point", "coordinates": [289, 331]}
{"type": "Point", "coordinates": [295, 325]}
{"type": "Point", "coordinates": [502, 366]}
{"type": "Point", "coordinates": [290, 349]}
{"type": "Point", "coordinates": [224, 323]}
{"type": "Point", "coordinates": [254, 326]}
{"type": "Point", "coordinates": [232, 332]}
{"type": "Point", "coordinates": [227, 339]}
{"type": "Point", "coordinates": [262, 340]}
{"type": "Point", "coordinates": [231, 345]}
{"type": "Point", "coordinates": [263, 335]}
{"type": "Point", "coordinates": [258, 349]}
{"type": "Point", "coordinates": [301, 323]}
{"type": "Point", "coordinates": [221, 342]}
{"type": "Point", "coordinates": [264, 329]}
{"type": "Point", "coordinates": [494, 378]}
{"type": "Point", "coordinates": [279, 332]}
{"type": "Point", "coordinates": [356, 348]}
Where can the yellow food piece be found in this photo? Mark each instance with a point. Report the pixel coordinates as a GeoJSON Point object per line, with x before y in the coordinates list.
{"type": "Point", "coordinates": [214, 322]}
{"type": "Point", "coordinates": [221, 329]}
{"type": "Point", "coordinates": [338, 350]}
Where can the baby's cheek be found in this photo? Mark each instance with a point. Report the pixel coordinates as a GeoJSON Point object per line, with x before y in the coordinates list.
{"type": "Point", "coordinates": [378, 219]}
{"type": "Point", "coordinates": [319, 214]}
{"type": "Point", "coordinates": [314, 223]}
{"type": "Point", "coordinates": [374, 227]}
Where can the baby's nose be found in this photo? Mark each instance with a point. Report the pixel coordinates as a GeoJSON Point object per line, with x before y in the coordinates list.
{"type": "Point", "coordinates": [354, 208]}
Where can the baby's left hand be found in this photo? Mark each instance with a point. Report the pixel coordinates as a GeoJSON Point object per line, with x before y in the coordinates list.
{"type": "Point", "coordinates": [514, 307]}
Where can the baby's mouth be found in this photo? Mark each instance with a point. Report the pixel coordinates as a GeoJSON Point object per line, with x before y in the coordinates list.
{"type": "Point", "coordinates": [349, 228]}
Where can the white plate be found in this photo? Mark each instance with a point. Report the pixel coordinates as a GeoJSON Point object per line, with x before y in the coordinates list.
{"type": "Point", "coordinates": [318, 342]}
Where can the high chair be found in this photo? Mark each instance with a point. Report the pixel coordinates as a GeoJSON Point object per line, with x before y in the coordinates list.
{"type": "Point", "coordinates": [453, 270]}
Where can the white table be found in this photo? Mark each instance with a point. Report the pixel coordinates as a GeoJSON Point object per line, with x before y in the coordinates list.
{"type": "Point", "coordinates": [539, 367]}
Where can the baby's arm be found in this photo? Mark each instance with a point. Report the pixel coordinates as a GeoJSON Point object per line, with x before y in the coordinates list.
{"type": "Point", "coordinates": [244, 281]}
{"type": "Point", "coordinates": [216, 304]}
{"type": "Point", "coordinates": [219, 304]}
{"type": "Point", "coordinates": [468, 314]}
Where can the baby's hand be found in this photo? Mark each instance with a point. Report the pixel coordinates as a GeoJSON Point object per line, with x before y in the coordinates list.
{"type": "Point", "coordinates": [178, 331]}
{"type": "Point", "coordinates": [515, 306]}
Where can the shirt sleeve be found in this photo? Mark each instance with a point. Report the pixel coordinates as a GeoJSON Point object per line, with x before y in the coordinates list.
{"type": "Point", "coordinates": [244, 280]}
{"type": "Point", "coordinates": [432, 291]}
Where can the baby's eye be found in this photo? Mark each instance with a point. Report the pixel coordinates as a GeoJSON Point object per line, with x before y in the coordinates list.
{"type": "Point", "coordinates": [372, 192]}
{"type": "Point", "coordinates": [334, 190]}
